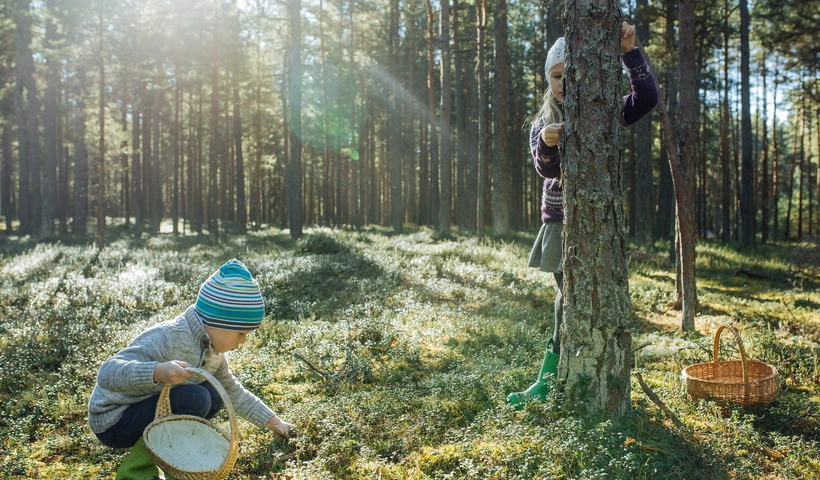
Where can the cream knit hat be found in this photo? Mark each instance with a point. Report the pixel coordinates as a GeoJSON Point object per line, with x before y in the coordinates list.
{"type": "Point", "coordinates": [555, 55]}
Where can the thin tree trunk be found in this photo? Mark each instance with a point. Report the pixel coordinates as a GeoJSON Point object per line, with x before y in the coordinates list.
{"type": "Point", "coordinates": [644, 193]}
{"type": "Point", "coordinates": [394, 156]}
{"type": "Point", "coordinates": [797, 137]}
{"type": "Point", "coordinates": [726, 228]}
{"type": "Point", "coordinates": [137, 167]}
{"type": "Point", "coordinates": [242, 212]}
{"type": "Point", "coordinates": [483, 121]}
{"type": "Point", "coordinates": [445, 139]}
{"type": "Point", "coordinates": [176, 152]}
{"type": "Point", "coordinates": [295, 120]}
{"type": "Point", "coordinates": [62, 165]}
{"type": "Point", "coordinates": [27, 157]}
{"type": "Point", "coordinates": [101, 203]}
{"type": "Point", "coordinates": [748, 185]}
{"type": "Point", "coordinates": [775, 165]}
{"type": "Point", "coordinates": [49, 204]}
{"type": "Point", "coordinates": [683, 169]}
{"type": "Point", "coordinates": [213, 150]}
{"type": "Point", "coordinates": [7, 210]}
{"type": "Point", "coordinates": [80, 217]}
{"type": "Point", "coordinates": [431, 95]}
{"type": "Point", "coordinates": [502, 168]}
{"type": "Point", "coordinates": [156, 183]}
{"type": "Point", "coordinates": [764, 175]}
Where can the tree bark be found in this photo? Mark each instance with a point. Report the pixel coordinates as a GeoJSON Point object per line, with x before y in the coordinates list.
{"type": "Point", "coordinates": [101, 170]}
{"type": "Point", "coordinates": [49, 205]}
{"type": "Point", "coordinates": [775, 159]}
{"type": "Point", "coordinates": [80, 214]}
{"type": "Point", "coordinates": [295, 120]}
{"type": "Point", "coordinates": [644, 193]}
{"type": "Point", "coordinates": [445, 142]}
{"type": "Point", "coordinates": [764, 175]}
{"type": "Point", "coordinates": [726, 207]}
{"type": "Point", "coordinates": [156, 183]}
{"type": "Point", "coordinates": [432, 217]}
{"type": "Point", "coordinates": [241, 210]}
{"type": "Point", "coordinates": [483, 121]}
{"type": "Point", "coordinates": [747, 204]}
{"type": "Point", "coordinates": [394, 155]}
{"type": "Point", "coordinates": [683, 169]}
{"type": "Point", "coordinates": [502, 174]}
{"type": "Point", "coordinates": [26, 156]}
{"type": "Point", "coordinates": [596, 348]}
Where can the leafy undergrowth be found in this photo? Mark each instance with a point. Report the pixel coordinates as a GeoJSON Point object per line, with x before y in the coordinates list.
{"type": "Point", "coordinates": [418, 340]}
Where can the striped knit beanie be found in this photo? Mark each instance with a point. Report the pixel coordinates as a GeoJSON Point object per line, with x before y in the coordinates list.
{"type": "Point", "coordinates": [230, 299]}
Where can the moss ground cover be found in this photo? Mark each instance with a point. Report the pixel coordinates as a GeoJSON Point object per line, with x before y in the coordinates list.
{"type": "Point", "coordinates": [416, 341]}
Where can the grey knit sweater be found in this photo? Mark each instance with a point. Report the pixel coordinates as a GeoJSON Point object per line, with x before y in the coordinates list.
{"type": "Point", "coordinates": [127, 377]}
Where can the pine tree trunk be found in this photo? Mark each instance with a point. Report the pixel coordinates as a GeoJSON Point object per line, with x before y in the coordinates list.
{"type": "Point", "coordinates": [26, 151]}
{"type": "Point", "coordinates": [596, 347]}
{"type": "Point", "coordinates": [764, 175]}
{"type": "Point", "coordinates": [394, 155]}
{"type": "Point", "coordinates": [136, 167]}
{"type": "Point", "coordinates": [295, 121]}
{"type": "Point", "coordinates": [462, 83]}
{"type": "Point", "coordinates": [644, 192]}
{"type": "Point", "coordinates": [213, 151]}
{"type": "Point", "coordinates": [445, 139]}
{"type": "Point", "coordinates": [431, 96]}
{"type": "Point", "coordinates": [502, 168]}
{"type": "Point", "coordinates": [747, 204]}
{"type": "Point", "coordinates": [775, 156]}
{"type": "Point", "coordinates": [5, 188]}
{"type": "Point", "coordinates": [726, 207]}
{"type": "Point", "coordinates": [63, 197]}
{"type": "Point", "coordinates": [125, 200]}
{"type": "Point", "coordinates": [797, 138]}
{"type": "Point", "coordinates": [683, 169]}
{"type": "Point", "coordinates": [80, 214]}
{"type": "Point", "coordinates": [156, 183]}
{"type": "Point", "coordinates": [241, 210]}
{"type": "Point", "coordinates": [483, 120]}
{"type": "Point", "coordinates": [101, 196]}
{"type": "Point", "coordinates": [176, 151]}
{"type": "Point", "coordinates": [49, 205]}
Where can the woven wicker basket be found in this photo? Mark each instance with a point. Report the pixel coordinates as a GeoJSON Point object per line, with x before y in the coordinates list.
{"type": "Point", "coordinates": [190, 447]}
{"type": "Point", "coordinates": [749, 383]}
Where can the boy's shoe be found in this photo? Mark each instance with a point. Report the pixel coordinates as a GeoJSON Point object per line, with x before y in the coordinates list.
{"type": "Point", "coordinates": [538, 390]}
{"type": "Point", "coordinates": [138, 465]}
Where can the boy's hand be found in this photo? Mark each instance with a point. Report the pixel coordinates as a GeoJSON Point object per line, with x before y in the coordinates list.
{"type": "Point", "coordinates": [627, 37]}
{"type": "Point", "coordinates": [552, 133]}
{"type": "Point", "coordinates": [172, 372]}
{"type": "Point", "coordinates": [282, 428]}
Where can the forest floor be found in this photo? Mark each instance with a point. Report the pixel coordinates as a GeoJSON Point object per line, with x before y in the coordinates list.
{"type": "Point", "coordinates": [420, 339]}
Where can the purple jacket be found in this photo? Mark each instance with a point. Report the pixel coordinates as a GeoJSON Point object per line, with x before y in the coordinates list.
{"type": "Point", "coordinates": [547, 160]}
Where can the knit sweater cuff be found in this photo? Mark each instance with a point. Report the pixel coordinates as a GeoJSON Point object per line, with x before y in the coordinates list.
{"type": "Point", "coordinates": [143, 375]}
{"type": "Point", "coordinates": [260, 415]}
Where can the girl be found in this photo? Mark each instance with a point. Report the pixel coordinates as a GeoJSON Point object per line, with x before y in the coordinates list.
{"type": "Point", "coordinates": [546, 132]}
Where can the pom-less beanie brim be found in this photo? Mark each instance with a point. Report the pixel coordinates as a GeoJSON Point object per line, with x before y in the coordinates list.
{"type": "Point", "coordinates": [230, 299]}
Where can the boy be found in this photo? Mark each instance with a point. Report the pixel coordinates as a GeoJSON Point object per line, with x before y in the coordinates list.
{"type": "Point", "coordinates": [228, 307]}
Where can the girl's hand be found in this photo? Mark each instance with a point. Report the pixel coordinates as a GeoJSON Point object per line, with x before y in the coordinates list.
{"type": "Point", "coordinates": [172, 372]}
{"type": "Point", "coordinates": [282, 428]}
{"type": "Point", "coordinates": [552, 133]}
{"type": "Point", "coordinates": [627, 37]}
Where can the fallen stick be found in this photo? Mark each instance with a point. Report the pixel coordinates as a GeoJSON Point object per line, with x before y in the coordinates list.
{"type": "Point", "coordinates": [311, 366]}
{"type": "Point", "coordinates": [652, 396]}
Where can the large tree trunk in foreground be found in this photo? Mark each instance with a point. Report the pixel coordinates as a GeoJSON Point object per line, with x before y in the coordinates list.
{"type": "Point", "coordinates": [596, 348]}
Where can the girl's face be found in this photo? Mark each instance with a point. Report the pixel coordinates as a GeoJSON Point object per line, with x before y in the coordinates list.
{"type": "Point", "coordinates": [556, 81]}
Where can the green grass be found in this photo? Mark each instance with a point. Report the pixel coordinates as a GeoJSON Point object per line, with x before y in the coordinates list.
{"type": "Point", "coordinates": [420, 339]}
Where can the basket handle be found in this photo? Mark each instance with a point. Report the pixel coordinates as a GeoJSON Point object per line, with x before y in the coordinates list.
{"type": "Point", "coordinates": [164, 406]}
{"type": "Point", "coordinates": [743, 361]}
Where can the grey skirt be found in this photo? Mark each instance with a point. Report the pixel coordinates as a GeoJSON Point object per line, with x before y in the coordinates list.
{"type": "Point", "coordinates": [547, 252]}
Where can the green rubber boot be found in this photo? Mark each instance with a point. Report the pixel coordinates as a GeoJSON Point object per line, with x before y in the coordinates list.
{"type": "Point", "coordinates": [538, 390]}
{"type": "Point", "coordinates": [138, 465]}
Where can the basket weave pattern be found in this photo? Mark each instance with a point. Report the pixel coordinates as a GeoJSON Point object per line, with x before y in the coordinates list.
{"type": "Point", "coordinates": [190, 447]}
{"type": "Point", "coordinates": [749, 383]}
